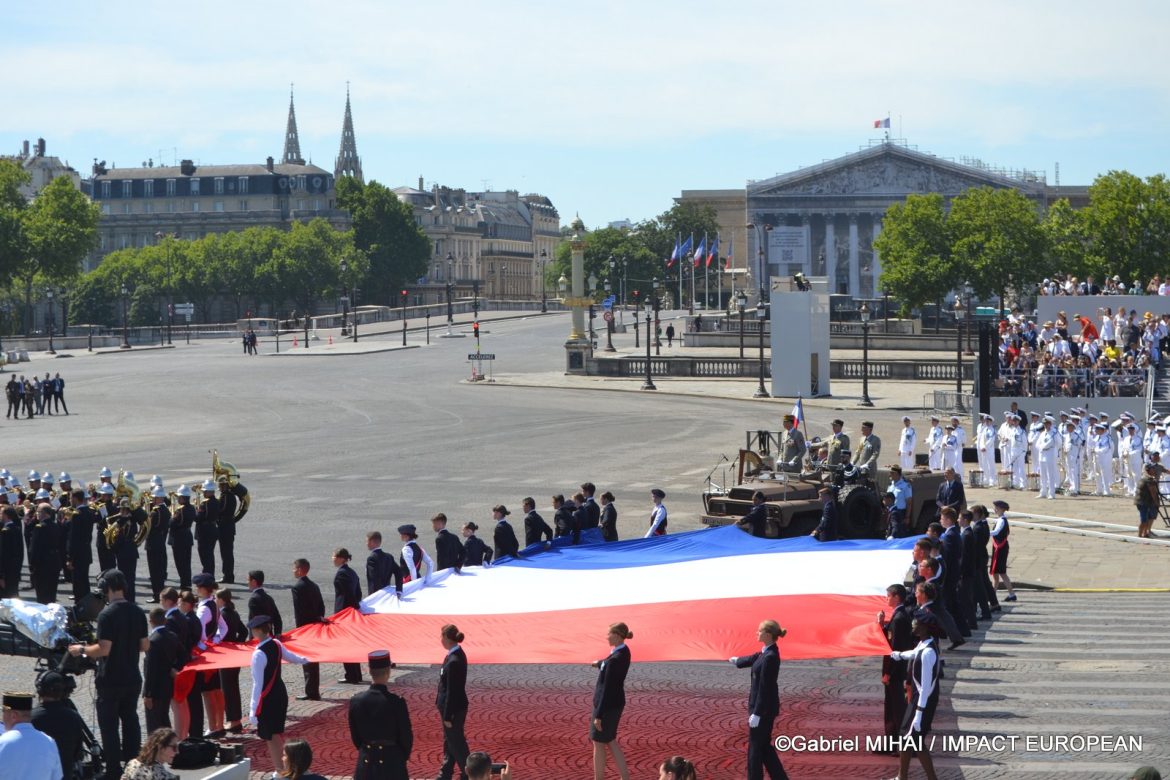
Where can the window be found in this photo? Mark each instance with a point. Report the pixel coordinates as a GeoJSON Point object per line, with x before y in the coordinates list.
{"type": "Point", "coordinates": [170, 188]}
{"type": "Point", "coordinates": [194, 187]}
{"type": "Point", "coordinates": [194, 205]}
{"type": "Point", "coordinates": [219, 205]}
{"type": "Point", "coordinates": [243, 205]}
{"type": "Point", "coordinates": [105, 189]}
{"type": "Point", "coordinates": [242, 185]}
{"type": "Point", "coordinates": [317, 204]}
{"type": "Point", "coordinates": [148, 207]}
{"type": "Point", "coordinates": [148, 188]}
{"type": "Point", "coordinates": [170, 207]}
{"type": "Point", "coordinates": [301, 181]}
{"type": "Point", "coordinates": [127, 189]}
{"type": "Point", "coordinates": [219, 185]}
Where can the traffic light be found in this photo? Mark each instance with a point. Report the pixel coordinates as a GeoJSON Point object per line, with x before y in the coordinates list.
{"type": "Point", "coordinates": [475, 330]}
{"type": "Point", "coordinates": [404, 294]}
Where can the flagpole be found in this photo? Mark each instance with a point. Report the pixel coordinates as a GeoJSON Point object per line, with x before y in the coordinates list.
{"type": "Point", "coordinates": [681, 261]}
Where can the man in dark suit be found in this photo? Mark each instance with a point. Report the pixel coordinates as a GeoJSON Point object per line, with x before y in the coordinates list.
{"type": "Point", "coordinates": [988, 601]}
{"type": "Point", "coordinates": [79, 544]}
{"type": "Point", "coordinates": [504, 537]}
{"type": "Point", "coordinates": [157, 681]}
{"type": "Point", "coordinates": [826, 531]}
{"type": "Point", "coordinates": [534, 525]}
{"type": "Point", "coordinates": [898, 634]}
{"type": "Point", "coordinates": [379, 725]}
{"type": "Point", "coordinates": [448, 548]}
{"type": "Point", "coordinates": [308, 607]}
{"type": "Point", "coordinates": [261, 603]}
{"type": "Point", "coordinates": [11, 552]}
{"type": "Point", "coordinates": [381, 568]}
{"type": "Point", "coordinates": [347, 592]}
{"type": "Point", "coordinates": [951, 493]}
{"type": "Point", "coordinates": [592, 508]}
{"type": "Point", "coordinates": [755, 521]}
{"type": "Point", "coordinates": [968, 570]}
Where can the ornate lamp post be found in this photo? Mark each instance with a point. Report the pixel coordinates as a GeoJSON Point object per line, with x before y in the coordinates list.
{"type": "Point", "coordinates": [450, 310]}
{"type": "Point", "coordinates": [637, 312]}
{"type": "Point", "coordinates": [503, 280]}
{"type": "Point", "coordinates": [761, 314]}
{"type": "Point", "coordinates": [649, 383]}
{"type": "Point", "coordinates": [49, 297]}
{"type": "Point", "coordinates": [404, 295]}
{"type": "Point", "coordinates": [609, 322]}
{"type": "Point", "coordinates": [741, 304]}
{"type": "Point", "coordinates": [656, 302]}
{"type": "Point", "coordinates": [344, 297]}
{"type": "Point", "coordinates": [864, 313]}
{"type": "Point", "coordinates": [543, 282]}
{"type": "Point", "coordinates": [959, 312]}
{"type": "Point", "coordinates": [125, 317]}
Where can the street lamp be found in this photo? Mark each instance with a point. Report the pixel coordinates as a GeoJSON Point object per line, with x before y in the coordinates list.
{"type": "Point", "coordinates": [612, 275]}
{"type": "Point", "coordinates": [450, 311]}
{"type": "Point", "coordinates": [125, 317]}
{"type": "Point", "coordinates": [609, 320]}
{"type": "Point", "coordinates": [968, 291]}
{"type": "Point", "coordinates": [863, 312]}
{"type": "Point", "coordinates": [63, 294]}
{"type": "Point", "coordinates": [657, 339]}
{"type": "Point", "coordinates": [503, 280]}
{"type": "Point", "coordinates": [404, 294]}
{"type": "Point", "coordinates": [741, 304]}
{"type": "Point", "coordinates": [475, 298]}
{"type": "Point", "coordinates": [49, 296]}
{"type": "Point", "coordinates": [543, 282]}
{"type": "Point", "coordinates": [563, 286]}
{"type": "Point", "coordinates": [649, 383]}
{"type": "Point", "coordinates": [959, 312]}
{"type": "Point", "coordinates": [345, 297]}
{"type": "Point", "coordinates": [637, 312]}
{"type": "Point", "coordinates": [761, 313]}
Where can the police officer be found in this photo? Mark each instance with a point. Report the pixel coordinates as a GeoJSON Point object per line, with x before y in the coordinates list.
{"type": "Point", "coordinates": [179, 535]}
{"type": "Point", "coordinates": [227, 529]}
{"type": "Point", "coordinates": [379, 725]}
{"type": "Point", "coordinates": [207, 528]}
{"type": "Point", "coordinates": [156, 542]}
{"type": "Point", "coordinates": [899, 524]}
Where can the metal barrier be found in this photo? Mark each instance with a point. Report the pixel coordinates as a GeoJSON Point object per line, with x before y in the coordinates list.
{"type": "Point", "coordinates": [1073, 383]}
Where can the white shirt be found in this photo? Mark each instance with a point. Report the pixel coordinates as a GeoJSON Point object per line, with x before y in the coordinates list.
{"type": "Point", "coordinates": [28, 754]}
{"type": "Point", "coordinates": [929, 658]}
{"type": "Point", "coordinates": [657, 518]}
{"type": "Point", "coordinates": [408, 557]}
{"type": "Point", "coordinates": [260, 665]}
{"type": "Point", "coordinates": [203, 612]}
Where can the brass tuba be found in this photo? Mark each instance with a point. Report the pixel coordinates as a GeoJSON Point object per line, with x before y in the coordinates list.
{"type": "Point", "coordinates": [128, 488]}
{"type": "Point", "coordinates": [222, 471]}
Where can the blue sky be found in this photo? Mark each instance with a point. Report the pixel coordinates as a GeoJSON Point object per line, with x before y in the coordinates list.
{"type": "Point", "coordinates": [609, 108]}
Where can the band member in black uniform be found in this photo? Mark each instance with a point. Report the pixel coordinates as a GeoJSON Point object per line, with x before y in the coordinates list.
{"type": "Point", "coordinates": [923, 670]}
{"type": "Point", "coordinates": [898, 634]}
{"type": "Point", "coordinates": [452, 703]}
{"type": "Point", "coordinates": [43, 555]}
{"type": "Point", "coordinates": [609, 699]}
{"type": "Point", "coordinates": [106, 510]}
{"type": "Point", "coordinates": [125, 551]}
{"type": "Point", "coordinates": [413, 555]}
{"type": "Point", "coordinates": [381, 568]}
{"type": "Point", "coordinates": [156, 543]}
{"type": "Point", "coordinates": [534, 526]}
{"type": "Point", "coordinates": [608, 519]}
{"type": "Point", "coordinates": [11, 552]}
{"type": "Point", "coordinates": [347, 592]}
{"type": "Point", "coordinates": [226, 525]}
{"type": "Point", "coordinates": [229, 679]}
{"type": "Point", "coordinates": [308, 607]}
{"type": "Point", "coordinates": [79, 544]}
{"type": "Point", "coordinates": [448, 548]}
{"type": "Point", "coordinates": [503, 535]}
{"type": "Point", "coordinates": [475, 551]}
{"type": "Point", "coordinates": [179, 536]}
{"type": "Point", "coordinates": [379, 725]}
{"type": "Point", "coordinates": [207, 527]}
{"type": "Point", "coordinates": [269, 705]}
{"type": "Point", "coordinates": [763, 702]}
{"type": "Point", "coordinates": [261, 603]}
{"type": "Point", "coordinates": [158, 685]}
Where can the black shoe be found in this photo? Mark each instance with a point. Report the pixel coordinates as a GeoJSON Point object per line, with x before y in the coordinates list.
{"type": "Point", "coordinates": [228, 580]}
{"type": "Point", "coordinates": [997, 608]}
{"type": "Point", "coordinates": [306, 697]}
{"type": "Point", "coordinates": [216, 734]}
{"type": "Point", "coordinates": [236, 730]}
{"type": "Point", "coordinates": [344, 681]}
{"type": "Point", "coordinates": [957, 645]}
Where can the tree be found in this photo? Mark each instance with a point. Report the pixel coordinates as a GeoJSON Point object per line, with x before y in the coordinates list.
{"type": "Point", "coordinates": [385, 231]}
{"type": "Point", "coordinates": [997, 242]}
{"type": "Point", "coordinates": [305, 264]}
{"type": "Point", "coordinates": [917, 265]}
{"type": "Point", "coordinates": [1128, 224]}
{"type": "Point", "coordinates": [1065, 232]}
{"type": "Point", "coordinates": [12, 207]}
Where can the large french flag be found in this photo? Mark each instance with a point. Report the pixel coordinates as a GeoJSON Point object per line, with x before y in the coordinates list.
{"type": "Point", "coordinates": [690, 596]}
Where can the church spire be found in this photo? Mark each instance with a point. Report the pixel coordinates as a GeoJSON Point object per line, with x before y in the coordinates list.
{"type": "Point", "coordinates": [348, 163]}
{"type": "Point", "coordinates": [292, 142]}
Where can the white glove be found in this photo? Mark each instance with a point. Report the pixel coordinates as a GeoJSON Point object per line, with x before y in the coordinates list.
{"type": "Point", "coordinates": [753, 721]}
{"type": "Point", "coordinates": [733, 659]}
{"type": "Point", "coordinates": [917, 724]}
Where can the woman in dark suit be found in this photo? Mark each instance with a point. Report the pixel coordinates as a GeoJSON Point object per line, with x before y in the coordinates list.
{"type": "Point", "coordinates": [347, 592]}
{"type": "Point", "coordinates": [763, 702]}
{"type": "Point", "coordinates": [609, 699]}
{"type": "Point", "coordinates": [229, 679]}
{"type": "Point", "coordinates": [452, 703]}
{"type": "Point", "coordinates": [475, 550]}
{"type": "Point", "coordinates": [608, 518]}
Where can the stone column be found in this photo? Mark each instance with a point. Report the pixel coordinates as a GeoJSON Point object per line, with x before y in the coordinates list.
{"type": "Point", "coordinates": [831, 253]}
{"type": "Point", "coordinates": [877, 263]}
{"type": "Point", "coordinates": [577, 333]}
{"type": "Point", "coordinates": [806, 261]}
{"type": "Point", "coordinates": [854, 260]}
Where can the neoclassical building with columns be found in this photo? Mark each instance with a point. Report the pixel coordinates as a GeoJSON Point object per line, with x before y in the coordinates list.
{"type": "Point", "coordinates": [822, 220]}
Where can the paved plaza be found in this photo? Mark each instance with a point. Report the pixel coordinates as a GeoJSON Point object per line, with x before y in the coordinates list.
{"type": "Point", "coordinates": [370, 436]}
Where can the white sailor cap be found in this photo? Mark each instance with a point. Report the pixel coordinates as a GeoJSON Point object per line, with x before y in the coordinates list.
{"type": "Point", "coordinates": [1093, 416]}
{"type": "Point", "coordinates": [158, 492]}
{"type": "Point", "coordinates": [47, 478]}
{"type": "Point", "coordinates": [985, 416]}
{"type": "Point", "coordinates": [208, 486]}
{"type": "Point", "coordinates": [1160, 428]}
{"type": "Point", "coordinates": [1152, 421]}
{"type": "Point", "coordinates": [1125, 416]}
{"type": "Point", "coordinates": [42, 494]}
{"type": "Point", "coordinates": [955, 417]}
{"type": "Point", "coordinates": [1049, 418]}
{"type": "Point", "coordinates": [1104, 415]}
{"type": "Point", "coordinates": [106, 489]}
{"type": "Point", "coordinates": [34, 476]}
{"type": "Point", "coordinates": [1102, 426]}
{"type": "Point", "coordinates": [184, 491]}
{"type": "Point", "coordinates": [1075, 418]}
{"type": "Point", "coordinates": [156, 480]}
{"type": "Point", "coordinates": [1063, 413]}
{"type": "Point", "coordinates": [934, 417]}
{"type": "Point", "coordinates": [64, 477]}
{"type": "Point", "coordinates": [1033, 414]}
{"type": "Point", "coordinates": [1131, 426]}
{"type": "Point", "coordinates": [105, 472]}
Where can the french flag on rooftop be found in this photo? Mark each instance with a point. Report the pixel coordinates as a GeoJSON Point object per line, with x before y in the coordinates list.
{"type": "Point", "coordinates": [881, 122]}
{"type": "Point", "coordinates": [691, 596]}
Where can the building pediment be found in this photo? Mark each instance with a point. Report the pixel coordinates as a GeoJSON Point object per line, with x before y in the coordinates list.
{"type": "Point", "coordinates": [885, 170]}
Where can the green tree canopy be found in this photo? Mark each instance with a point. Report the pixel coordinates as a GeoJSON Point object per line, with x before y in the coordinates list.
{"type": "Point", "coordinates": [1127, 225]}
{"type": "Point", "coordinates": [385, 231]}
{"type": "Point", "coordinates": [917, 265]}
{"type": "Point", "coordinates": [997, 243]}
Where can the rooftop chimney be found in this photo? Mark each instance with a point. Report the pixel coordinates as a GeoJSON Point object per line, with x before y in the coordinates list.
{"type": "Point", "coordinates": [420, 178]}
{"type": "Point", "coordinates": [25, 149]}
{"type": "Point", "coordinates": [187, 167]}
{"type": "Point", "coordinates": [40, 147]}
{"type": "Point", "coordinates": [268, 164]}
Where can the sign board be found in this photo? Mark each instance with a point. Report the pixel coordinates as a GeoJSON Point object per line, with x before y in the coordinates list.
{"type": "Point", "coordinates": [482, 356]}
{"type": "Point", "coordinates": [788, 247]}
{"type": "Point", "coordinates": [185, 308]}
{"type": "Point", "coordinates": [608, 316]}
{"type": "Point", "coordinates": [188, 316]}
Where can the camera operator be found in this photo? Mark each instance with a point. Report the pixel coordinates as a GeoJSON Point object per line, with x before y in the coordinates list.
{"type": "Point", "coordinates": [122, 637]}
{"type": "Point", "coordinates": [58, 718]}
{"type": "Point", "coordinates": [25, 752]}
{"type": "Point", "coordinates": [480, 767]}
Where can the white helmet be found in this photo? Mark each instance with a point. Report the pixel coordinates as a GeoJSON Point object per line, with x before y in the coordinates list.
{"type": "Point", "coordinates": [64, 477]}
{"type": "Point", "coordinates": [42, 495]}
{"type": "Point", "coordinates": [129, 476]}
{"type": "Point", "coordinates": [5, 473]}
{"type": "Point", "coordinates": [34, 477]}
{"type": "Point", "coordinates": [208, 487]}
{"type": "Point", "coordinates": [47, 478]}
{"type": "Point", "coordinates": [14, 482]}
{"type": "Point", "coordinates": [105, 473]}
{"type": "Point", "coordinates": [183, 491]}
{"type": "Point", "coordinates": [106, 489]}
{"type": "Point", "coordinates": [158, 492]}
{"type": "Point", "coordinates": [156, 480]}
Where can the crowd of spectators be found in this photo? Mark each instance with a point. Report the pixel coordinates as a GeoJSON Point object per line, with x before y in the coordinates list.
{"type": "Point", "coordinates": [1078, 356]}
